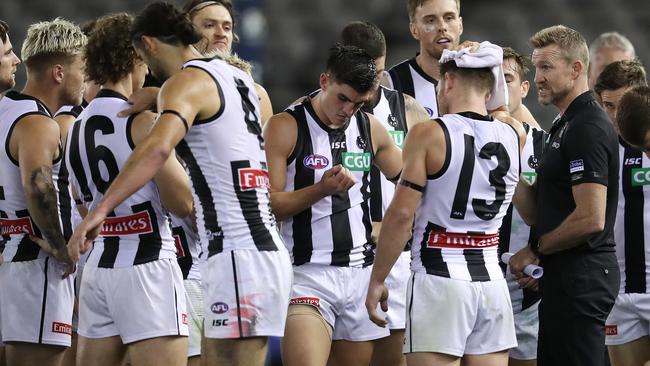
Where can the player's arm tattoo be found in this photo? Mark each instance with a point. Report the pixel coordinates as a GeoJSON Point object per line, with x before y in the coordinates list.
{"type": "Point", "coordinates": [42, 204]}
{"type": "Point", "coordinates": [415, 112]}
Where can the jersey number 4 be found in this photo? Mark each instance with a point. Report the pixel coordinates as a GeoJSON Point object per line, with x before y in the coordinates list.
{"type": "Point", "coordinates": [482, 209]}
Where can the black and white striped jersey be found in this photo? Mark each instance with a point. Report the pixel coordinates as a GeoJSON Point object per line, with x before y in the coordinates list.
{"type": "Point", "coordinates": [409, 78]}
{"type": "Point", "coordinates": [186, 239]}
{"type": "Point", "coordinates": [390, 111]}
{"type": "Point", "coordinates": [514, 234]}
{"type": "Point", "coordinates": [71, 110]}
{"type": "Point", "coordinates": [632, 226]}
{"type": "Point", "coordinates": [335, 230]}
{"type": "Point", "coordinates": [15, 222]}
{"type": "Point", "coordinates": [98, 145]}
{"type": "Point", "coordinates": [456, 231]}
{"type": "Point", "coordinates": [225, 158]}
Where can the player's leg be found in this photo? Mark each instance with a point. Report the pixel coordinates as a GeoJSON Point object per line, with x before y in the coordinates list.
{"type": "Point", "coordinates": [28, 354]}
{"type": "Point", "coordinates": [246, 295]}
{"type": "Point", "coordinates": [70, 356]}
{"type": "Point", "coordinates": [307, 337]}
{"type": "Point", "coordinates": [350, 353]}
{"type": "Point", "coordinates": [170, 350]}
{"type": "Point", "coordinates": [107, 351]}
{"type": "Point", "coordinates": [489, 359]}
{"type": "Point", "coordinates": [526, 329]}
{"type": "Point", "coordinates": [430, 358]}
{"type": "Point", "coordinates": [388, 350]}
{"type": "Point", "coordinates": [2, 356]}
{"type": "Point", "coordinates": [194, 296]}
{"type": "Point", "coordinates": [632, 353]}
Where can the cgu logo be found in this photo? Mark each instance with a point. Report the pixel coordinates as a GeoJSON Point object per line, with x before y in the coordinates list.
{"type": "Point", "coordinates": [357, 161]}
{"type": "Point", "coordinates": [640, 177]}
{"type": "Point", "coordinates": [250, 178]}
{"type": "Point", "coordinates": [398, 137]}
{"type": "Point", "coordinates": [315, 161]}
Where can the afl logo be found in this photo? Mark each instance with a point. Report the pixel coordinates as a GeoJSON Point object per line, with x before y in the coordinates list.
{"type": "Point", "coordinates": [533, 162]}
{"type": "Point", "coordinates": [219, 307]}
{"type": "Point", "coordinates": [315, 161]}
{"type": "Point", "coordinates": [430, 111]}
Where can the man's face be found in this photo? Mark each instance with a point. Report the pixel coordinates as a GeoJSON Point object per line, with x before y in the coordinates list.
{"type": "Point", "coordinates": [610, 99]}
{"type": "Point", "coordinates": [152, 61]}
{"type": "Point", "coordinates": [139, 74]}
{"type": "Point", "coordinates": [553, 74]}
{"type": "Point", "coordinates": [517, 90]}
{"type": "Point", "coordinates": [73, 81]}
{"type": "Point", "coordinates": [215, 24]}
{"type": "Point", "coordinates": [437, 25]}
{"type": "Point", "coordinates": [602, 58]}
{"type": "Point", "coordinates": [8, 65]}
{"type": "Point", "coordinates": [340, 101]}
{"type": "Point", "coordinates": [380, 63]}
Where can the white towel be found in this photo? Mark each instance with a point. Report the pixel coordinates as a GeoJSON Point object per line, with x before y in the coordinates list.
{"type": "Point", "coordinates": [490, 56]}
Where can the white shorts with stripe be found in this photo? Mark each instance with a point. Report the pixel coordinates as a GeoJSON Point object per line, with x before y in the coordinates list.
{"type": "Point", "coordinates": [246, 293]}
{"type": "Point", "coordinates": [138, 302]}
{"type": "Point", "coordinates": [194, 298]}
{"type": "Point", "coordinates": [629, 319]}
{"type": "Point", "coordinates": [35, 302]}
{"type": "Point", "coordinates": [458, 317]}
{"type": "Point", "coordinates": [339, 293]}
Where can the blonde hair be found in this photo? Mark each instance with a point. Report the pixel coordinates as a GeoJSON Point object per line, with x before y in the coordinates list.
{"type": "Point", "coordinates": [571, 43]}
{"type": "Point", "coordinates": [52, 40]}
{"type": "Point", "coordinates": [231, 59]}
{"type": "Point", "coordinates": [412, 6]}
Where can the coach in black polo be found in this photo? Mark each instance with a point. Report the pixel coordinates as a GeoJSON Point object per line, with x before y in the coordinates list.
{"type": "Point", "coordinates": [576, 198]}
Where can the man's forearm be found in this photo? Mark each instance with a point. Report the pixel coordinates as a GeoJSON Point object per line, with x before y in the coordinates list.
{"type": "Point", "coordinates": [525, 202]}
{"type": "Point", "coordinates": [395, 232]}
{"type": "Point", "coordinates": [42, 205]}
{"type": "Point", "coordinates": [289, 204]}
{"type": "Point", "coordinates": [573, 231]}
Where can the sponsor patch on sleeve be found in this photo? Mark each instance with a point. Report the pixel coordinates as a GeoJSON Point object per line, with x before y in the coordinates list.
{"type": "Point", "coordinates": [576, 166]}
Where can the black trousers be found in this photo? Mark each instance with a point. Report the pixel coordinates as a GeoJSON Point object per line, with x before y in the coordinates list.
{"type": "Point", "coordinates": [578, 292]}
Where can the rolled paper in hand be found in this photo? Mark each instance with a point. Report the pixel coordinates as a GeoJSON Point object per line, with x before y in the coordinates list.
{"type": "Point", "coordinates": [531, 270]}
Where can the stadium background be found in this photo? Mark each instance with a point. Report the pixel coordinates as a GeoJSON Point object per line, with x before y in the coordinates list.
{"type": "Point", "coordinates": [287, 40]}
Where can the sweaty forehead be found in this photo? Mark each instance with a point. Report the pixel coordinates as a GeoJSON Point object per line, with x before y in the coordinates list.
{"type": "Point", "coordinates": [214, 12]}
{"type": "Point", "coordinates": [436, 7]}
{"type": "Point", "coordinates": [510, 66]}
{"type": "Point", "coordinates": [548, 53]}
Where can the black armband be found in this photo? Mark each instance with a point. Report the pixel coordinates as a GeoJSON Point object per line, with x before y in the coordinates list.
{"type": "Point", "coordinates": [187, 127]}
{"type": "Point", "coordinates": [395, 178]}
{"type": "Point", "coordinates": [411, 185]}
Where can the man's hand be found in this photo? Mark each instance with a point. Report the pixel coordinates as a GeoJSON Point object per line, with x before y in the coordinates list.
{"type": "Point", "coordinates": [521, 259]}
{"type": "Point", "coordinates": [377, 293]}
{"type": "Point", "coordinates": [84, 234]}
{"type": "Point", "coordinates": [141, 100]}
{"type": "Point", "coordinates": [472, 45]}
{"type": "Point", "coordinates": [336, 180]}
{"type": "Point", "coordinates": [61, 255]}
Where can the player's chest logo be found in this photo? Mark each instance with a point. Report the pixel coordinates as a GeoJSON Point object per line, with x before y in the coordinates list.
{"type": "Point", "coordinates": [315, 161]}
{"type": "Point", "coordinates": [640, 177]}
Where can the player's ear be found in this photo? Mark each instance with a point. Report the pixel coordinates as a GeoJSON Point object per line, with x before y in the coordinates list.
{"type": "Point", "coordinates": [57, 72]}
{"type": "Point", "coordinates": [149, 43]}
{"type": "Point", "coordinates": [323, 81]}
{"type": "Point", "coordinates": [415, 32]}
{"type": "Point", "coordinates": [577, 68]}
{"type": "Point", "coordinates": [460, 27]}
{"type": "Point", "coordinates": [525, 87]}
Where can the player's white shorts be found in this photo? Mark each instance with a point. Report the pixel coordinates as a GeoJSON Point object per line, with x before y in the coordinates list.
{"type": "Point", "coordinates": [138, 302]}
{"type": "Point", "coordinates": [397, 282]}
{"type": "Point", "coordinates": [35, 302]}
{"type": "Point", "coordinates": [194, 298]}
{"type": "Point", "coordinates": [457, 317]}
{"type": "Point", "coordinates": [629, 320]}
{"type": "Point", "coordinates": [246, 293]}
{"type": "Point", "coordinates": [526, 329]}
{"type": "Point", "coordinates": [339, 293]}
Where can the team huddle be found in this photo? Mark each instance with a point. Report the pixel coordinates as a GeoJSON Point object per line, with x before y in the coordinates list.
{"type": "Point", "coordinates": [155, 211]}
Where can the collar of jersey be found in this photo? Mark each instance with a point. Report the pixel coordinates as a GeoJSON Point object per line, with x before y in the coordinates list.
{"type": "Point", "coordinates": [108, 93]}
{"type": "Point", "coordinates": [476, 116]}
{"type": "Point", "coordinates": [310, 109]}
{"type": "Point", "coordinates": [414, 64]}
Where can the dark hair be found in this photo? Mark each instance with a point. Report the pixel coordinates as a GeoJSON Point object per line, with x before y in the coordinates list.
{"type": "Point", "coordinates": [352, 66]}
{"type": "Point", "coordinates": [633, 115]}
{"type": "Point", "coordinates": [481, 78]}
{"type": "Point", "coordinates": [621, 74]}
{"type": "Point", "coordinates": [88, 27]}
{"type": "Point", "coordinates": [523, 65]}
{"type": "Point", "coordinates": [163, 21]}
{"type": "Point", "coordinates": [366, 36]}
{"type": "Point", "coordinates": [4, 30]}
{"type": "Point", "coordinates": [110, 55]}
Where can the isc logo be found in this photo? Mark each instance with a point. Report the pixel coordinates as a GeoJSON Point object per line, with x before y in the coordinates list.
{"type": "Point", "coordinates": [356, 161]}
{"type": "Point", "coordinates": [640, 177]}
{"type": "Point", "coordinates": [338, 145]}
{"type": "Point", "coordinates": [398, 137]}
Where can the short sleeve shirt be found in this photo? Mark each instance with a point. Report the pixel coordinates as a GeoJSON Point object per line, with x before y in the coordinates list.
{"type": "Point", "coordinates": [582, 147]}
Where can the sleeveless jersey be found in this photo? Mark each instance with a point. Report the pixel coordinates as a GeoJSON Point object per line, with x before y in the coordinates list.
{"type": "Point", "coordinates": [514, 234]}
{"type": "Point", "coordinates": [457, 221]}
{"type": "Point", "coordinates": [186, 239]}
{"type": "Point", "coordinates": [225, 158]}
{"type": "Point", "coordinates": [335, 230]}
{"type": "Point", "coordinates": [632, 226]}
{"type": "Point", "coordinates": [98, 145]}
{"type": "Point", "coordinates": [15, 222]}
{"type": "Point", "coordinates": [408, 78]}
{"type": "Point", "coordinates": [390, 111]}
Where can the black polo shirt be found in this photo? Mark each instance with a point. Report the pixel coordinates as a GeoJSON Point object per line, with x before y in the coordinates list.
{"type": "Point", "coordinates": [582, 148]}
